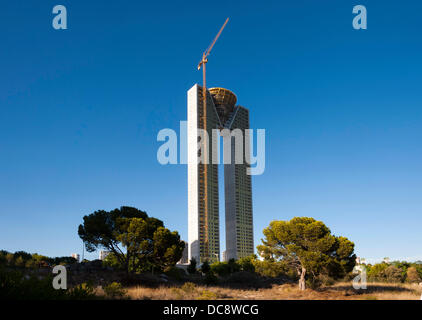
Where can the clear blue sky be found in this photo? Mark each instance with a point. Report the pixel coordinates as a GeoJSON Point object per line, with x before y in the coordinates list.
{"type": "Point", "coordinates": [80, 110]}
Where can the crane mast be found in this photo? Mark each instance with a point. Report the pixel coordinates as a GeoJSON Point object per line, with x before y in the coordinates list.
{"type": "Point", "coordinates": [203, 63]}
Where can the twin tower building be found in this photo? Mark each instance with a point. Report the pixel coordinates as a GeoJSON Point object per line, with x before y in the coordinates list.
{"type": "Point", "coordinates": [203, 195]}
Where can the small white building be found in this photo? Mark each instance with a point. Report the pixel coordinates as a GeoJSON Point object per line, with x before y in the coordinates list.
{"type": "Point", "coordinates": [103, 254]}
{"type": "Point", "coordinates": [76, 256]}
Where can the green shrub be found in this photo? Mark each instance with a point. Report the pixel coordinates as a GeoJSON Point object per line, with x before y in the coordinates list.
{"type": "Point", "coordinates": [114, 290]}
{"type": "Point", "coordinates": [189, 287]}
{"type": "Point", "coordinates": [244, 278]}
{"type": "Point", "coordinates": [413, 275]}
{"type": "Point", "coordinates": [175, 273]}
{"type": "Point", "coordinates": [3, 254]}
{"type": "Point", "coordinates": [418, 268]}
{"type": "Point", "coordinates": [83, 291]}
{"type": "Point", "coordinates": [326, 280]}
{"type": "Point", "coordinates": [41, 261]}
{"type": "Point", "coordinates": [210, 279]}
{"type": "Point", "coordinates": [19, 262]}
{"type": "Point", "coordinates": [23, 255]}
{"type": "Point", "coordinates": [313, 283]}
{"type": "Point", "coordinates": [207, 295]}
{"type": "Point", "coordinates": [270, 269]}
{"type": "Point", "coordinates": [192, 266]}
{"type": "Point", "coordinates": [205, 268]}
{"type": "Point", "coordinates": [393, 274]}
{"type": "Point", "coordinates": [30, 264]}
{"type": "Point", "coordinates": [233, 266]}
{"type": "Point", "coordinates": [224, 269]}
{"type": "Point", "coordinates": [220, 268]}
{"type": "Point", "coordinates": [112, 261]}
{"type": "Point", "coordinates": [177, 293]}
{"type": "Point", "coordinates": [10, 259]}
{"type": "Point", "coordinates": [246, 263]}
{"type": "Point", "coordinates": [376, 272]}
{"type": "Point", "coordinates": [62, 260]}
{"type": "Point", "coordinates": [16, 286]}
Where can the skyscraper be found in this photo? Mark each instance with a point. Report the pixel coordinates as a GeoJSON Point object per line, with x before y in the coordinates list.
{"type": "Point", "coordinates": [203, 194]}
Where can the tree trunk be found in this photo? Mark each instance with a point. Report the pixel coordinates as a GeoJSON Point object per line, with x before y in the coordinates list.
{"type": "Point", "coordinates": [302, 283]}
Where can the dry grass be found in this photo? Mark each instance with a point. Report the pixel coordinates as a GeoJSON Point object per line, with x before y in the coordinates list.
{"type": "Point", "coordinates": [382, 291]}
{"type": "Point", "coordinates": [339, 291]}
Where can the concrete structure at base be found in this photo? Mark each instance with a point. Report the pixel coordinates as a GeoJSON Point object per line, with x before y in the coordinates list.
{"type": "Point", "coordinates": [204, 233]}
{"type": "Point", "coordinates": [185, 258]}
{"type": "Point", "coordinates": [224, 258]}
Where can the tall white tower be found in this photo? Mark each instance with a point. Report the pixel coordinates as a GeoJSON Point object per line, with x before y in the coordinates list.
{"type": "Point", "coordinates": [204, 235]}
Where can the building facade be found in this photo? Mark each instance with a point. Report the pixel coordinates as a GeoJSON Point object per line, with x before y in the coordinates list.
{"type": "Point", "coordinates": [238, 194]}
{"type": "Point", "coordinates": [203, 227]}
{"type": "Point", "coordinates": [224, 117]}
{"type": "Point", "coordinates": [103, 254]}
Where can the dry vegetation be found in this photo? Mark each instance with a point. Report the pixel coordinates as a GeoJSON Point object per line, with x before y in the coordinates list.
{"type": "Point", "coordinates": [339, 291]}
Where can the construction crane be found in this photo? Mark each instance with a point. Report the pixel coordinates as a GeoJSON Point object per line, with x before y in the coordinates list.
{"type": "Point", "coordinates": [203, 63]}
